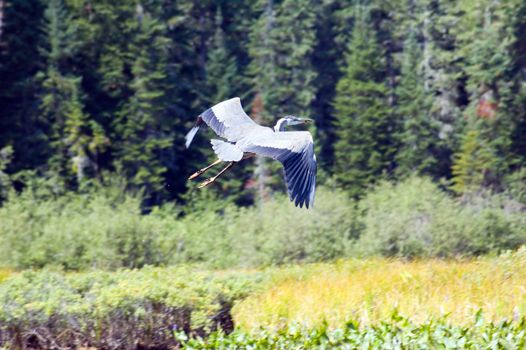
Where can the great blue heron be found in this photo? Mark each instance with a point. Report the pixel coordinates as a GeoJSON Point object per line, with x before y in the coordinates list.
{"type": "Point", "coordinates": [245, 139]}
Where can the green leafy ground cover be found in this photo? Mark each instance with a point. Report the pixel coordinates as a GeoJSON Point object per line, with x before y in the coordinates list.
{"type": "Point", "coordinates": [394, 333]}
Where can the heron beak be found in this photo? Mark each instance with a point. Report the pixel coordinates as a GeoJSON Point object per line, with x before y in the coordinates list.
{"type": "Point", "coordinates": [307, 120]}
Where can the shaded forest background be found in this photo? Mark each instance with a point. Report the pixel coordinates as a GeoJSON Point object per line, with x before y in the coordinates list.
{"type": "Point", "coordinates": [95, 89]}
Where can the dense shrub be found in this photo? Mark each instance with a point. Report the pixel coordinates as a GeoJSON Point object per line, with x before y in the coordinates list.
{"type": "Point", "coordinates": [274, 233]}
{"type": "Point", "coordinates": [106, 228]}
{"type": "Point", "coordinates": [78, 231]}
{"type": "Point", "coordinates": [116, 310]}
{"type": "Point", "coordinates": [416, 218]}
{"type": "Point", "coordinates": [101, 230]}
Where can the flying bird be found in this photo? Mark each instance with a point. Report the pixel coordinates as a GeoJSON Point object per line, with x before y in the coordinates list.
{"type": "Point", "coordinates": [245, 139]}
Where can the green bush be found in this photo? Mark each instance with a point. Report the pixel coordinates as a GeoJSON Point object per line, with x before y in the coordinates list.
{"type": "Point", "coordinates": [274, 233]}
{"type": "Point", "coordinates": [79, 231]}
{"type": "Point", "coordinates": [105, 230]}
{"type": "Point", "coordinates": [116, 310]}
{"type": "Point", "coordinates": [415, 218]}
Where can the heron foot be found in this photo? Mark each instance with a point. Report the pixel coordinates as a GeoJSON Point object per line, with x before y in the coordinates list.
{"type": "Point", "coordinates": [196, 174]}
{"type": "Point", "coordinates": [201, 171]}
{"type": "Point", "coordinates": [206, 182]}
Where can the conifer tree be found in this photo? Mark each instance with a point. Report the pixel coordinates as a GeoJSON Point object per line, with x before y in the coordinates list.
{"type": "Point", "coordinates": [364, 148]}
{"type": "Point", "coordinates": [20, 60]}
{"type": "Point", "coordinates": [444, 80]}
{"type": "Point", "coordinates": [74, 139]}
{"type": "Point", "coordinates": [418, 136]}
{"type": "Point", "coordinates": [142, 135]}
{"type": "Point", "coordinates": [472, 164]}
{"type": "Point", "coordinates": [224, 81]}
{"type": "Point", "coordinates": [486, 43]}
{"type": "Point", "coordinates": [281, 47]}
{"type": "Point", "coordinates": [330, 47]}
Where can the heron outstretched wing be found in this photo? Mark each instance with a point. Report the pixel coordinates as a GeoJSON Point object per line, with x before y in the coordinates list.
{"type": "Point", "coordinates": [295, 150]}
{"type": "Point", "coordinates": [227, 119]}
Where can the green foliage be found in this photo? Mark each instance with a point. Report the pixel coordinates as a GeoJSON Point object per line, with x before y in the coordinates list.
{"type": "Point", "coordinates": [415, 218]}
{"type": "Point", "coordinates": [282, 43]}
{"type": "Point", "coordinates": [105, 229]}
{"type": "Point", "coordinates": [143, 137]}
{"type": "Point", "coordinates": [275, 232]}
{"type": "Point", "coordinates": [363, 147]}
{"type": "Point", "coordinates": [515, 184]}
{"type": "Point", "coordinates": [418, 137]}
{"type": "Point", "coordinates": [472, 164]}
{"type": "Point", "coordinates": [120, 309]}
{"type": "Point", "coordinates": [92, 87]}
{"type": "Point", "coordinates": [396, 332]}
{"type": "Point", "coordinates": [6, 155]}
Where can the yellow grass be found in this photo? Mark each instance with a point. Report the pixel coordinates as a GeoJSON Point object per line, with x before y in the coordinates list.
{"type": "Point", "coordinates": [368, 291]}
{"type": "Point", "coordinates": [4, 273]}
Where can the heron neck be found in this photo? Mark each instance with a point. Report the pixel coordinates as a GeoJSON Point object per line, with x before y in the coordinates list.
{"type": "Point", "coordinates": [280, 125]}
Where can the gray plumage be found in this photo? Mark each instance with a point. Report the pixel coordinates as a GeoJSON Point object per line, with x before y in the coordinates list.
{"type": "Point", "coordinates": [294, 149]}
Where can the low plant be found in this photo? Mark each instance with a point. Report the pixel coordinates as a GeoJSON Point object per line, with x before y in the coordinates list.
{"type": "Point", "coordinates": [123, 309]}
{"type": "Point", "coordinates": [394, 332]}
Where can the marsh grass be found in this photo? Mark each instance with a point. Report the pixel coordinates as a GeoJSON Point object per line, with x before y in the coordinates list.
{"type": "Point", "coordinates": [4, 273]}
{"type": "Point", "coordinates": [369, 291]}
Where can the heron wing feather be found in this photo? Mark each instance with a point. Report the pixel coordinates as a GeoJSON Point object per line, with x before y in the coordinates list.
{"type": "Point", "coordinates": [295, 150]}
{"type": "Point", "coordinates": [229, 120]}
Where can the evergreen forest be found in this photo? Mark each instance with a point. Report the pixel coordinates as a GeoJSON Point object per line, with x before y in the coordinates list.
{"type": "Point", "coordinates": [92, 90]}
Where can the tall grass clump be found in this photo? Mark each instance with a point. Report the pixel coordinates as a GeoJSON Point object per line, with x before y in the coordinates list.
{"type": "Point", "coordinates": [370, 290]}
{"type": "Point", "coordinates": [415, 218]}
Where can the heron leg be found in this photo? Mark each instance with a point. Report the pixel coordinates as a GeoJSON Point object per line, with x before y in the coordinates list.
{"type": "Point", "coordinates": [212, 179]}
{"type": "Point", "coordinates": [201, 171]}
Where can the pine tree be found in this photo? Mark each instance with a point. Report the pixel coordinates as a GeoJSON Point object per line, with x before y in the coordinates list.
{"type": "Point", "coordinates": [284, 74]}
{"type": "Point", "coordinates": [472, 164]}
{"type": "Point", "coordinates": [281, 47]}
{"type": "Point", "coordinates": [20, 60]}
{"type": "Point", "coordinates": [444, 81]}
{"type": "Point", "coordinates": [486, 45]}
{"type": "Point", "coordinates": [330, 47]}
{"type": "Point", "coordinates": [141, 132]}
{"type": "Point", "coordinates": [418, 136]}
{"type": "Point", "coordinates": [364, 148]}
{"type": "Point", "coordinates": [224, 81]}
{"type": "Point", "coordinates": [75, 139]}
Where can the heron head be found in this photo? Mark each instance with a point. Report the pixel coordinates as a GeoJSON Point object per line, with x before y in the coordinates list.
{"type": "Point", "coordinates": [290, 120]}
{"type": "Point", "coordinates": [293, 120]}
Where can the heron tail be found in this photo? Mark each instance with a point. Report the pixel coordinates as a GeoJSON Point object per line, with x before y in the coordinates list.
{"type": "Point", "coordinates": [226, 151]}
{"type": "Point", "coordinates": [191, 134]}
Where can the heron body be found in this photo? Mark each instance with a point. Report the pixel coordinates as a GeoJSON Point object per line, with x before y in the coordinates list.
{"type": "Point", "coordinates": [245, 138]}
